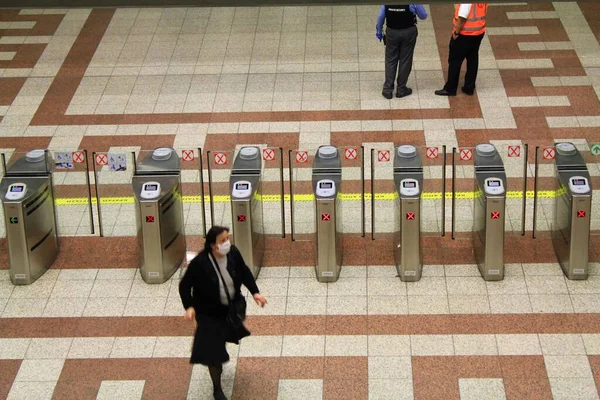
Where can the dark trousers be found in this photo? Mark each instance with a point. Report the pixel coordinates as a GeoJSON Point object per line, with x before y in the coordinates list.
{"type": "Point", "coordinates": [399, 51]}
{"type": "Point", "coordinates": [460, 48]}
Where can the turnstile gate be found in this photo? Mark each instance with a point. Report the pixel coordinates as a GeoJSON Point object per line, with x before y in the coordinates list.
{"type": "Point", "coordinates": [572, 208]}
{"type": "Point", "coordinates": [159, 214]}
{"type": "Point", "coordinates": [29, 215]}
{"type": "Point", "coordinates": [408, 179]}
{"type": "Point", "coordinates": [488, 212]}
{"type": "Point", "coordinates": [246, 207]}
{"type": "Point", "coordinates": [326, 182]}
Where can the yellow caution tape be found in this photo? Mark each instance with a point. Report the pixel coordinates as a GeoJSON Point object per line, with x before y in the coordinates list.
{"type": "Point", "coordinates": [304, 197]}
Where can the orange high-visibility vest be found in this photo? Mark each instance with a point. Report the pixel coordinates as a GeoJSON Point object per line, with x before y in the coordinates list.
{"type": "Point", "coordinates": [475, 24]}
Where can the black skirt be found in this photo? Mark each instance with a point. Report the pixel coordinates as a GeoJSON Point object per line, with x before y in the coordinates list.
{"type": "Point", "coordinates": [209, 340]}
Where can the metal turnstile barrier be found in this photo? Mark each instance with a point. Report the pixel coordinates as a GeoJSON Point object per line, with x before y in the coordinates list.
{"type": "Point", "coordinates": [247, 207]}
{"type": "Point", "coordinates": [326, 182]}
{"type": "Point", "coordinates": [489, 212]}
{"type": "Point", "coordinates": [29, 214]}
{"type": "Point", "coordinates": [571, 211]}
{"type": "Point", "coordinates": [408, 179]}
{"type": "Point", "coordinates": [159, 214]}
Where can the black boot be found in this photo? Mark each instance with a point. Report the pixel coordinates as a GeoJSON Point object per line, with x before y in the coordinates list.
{"type": "Point", "coordinates": [219, 395]}
{"type": "Point", "coordinates": [215, 376]}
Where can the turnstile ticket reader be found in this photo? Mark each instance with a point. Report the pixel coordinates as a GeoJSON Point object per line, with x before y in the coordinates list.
{"type": "Point", "coordinates": [159, 214]}
{"type": "Point", "coordinates": [572, 208]}
{"type": "Point", "coordinates": [29, 215]}
{"type": "Point", "coordinates": [488, 212]}
{"type": "Point", "coordinates": [408, 178]}
{"type": "Point", "coordinates": [326, 181]}
{"type": "Point", "coordinates": [247, 207]}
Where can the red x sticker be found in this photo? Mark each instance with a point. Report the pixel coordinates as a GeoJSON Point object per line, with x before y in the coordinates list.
{"type": "Point", "coordinates": [101, 159]}
{"type": "Point", "coordinates": [495, 215]}
{"type": "Point", "coordinates": [150, 218]}
{"type": "Point", "coordinates": [241, 218]}
{"type": "Point", "coordinates": [410, 216]}
{"type": "Point", "coordinates": [78, 157]}
{"type": "Point", "coordinates": [325, 217]}
{"type": "Point", "coordinates": [580, 214]}
{"type": "Point", "coordinates": [269, 154]}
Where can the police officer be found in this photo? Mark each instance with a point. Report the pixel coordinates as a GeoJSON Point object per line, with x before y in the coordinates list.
{"type": "Point", "coordinates": [468, 32]}
{"type": "Point", "coordinates": [400, 39]}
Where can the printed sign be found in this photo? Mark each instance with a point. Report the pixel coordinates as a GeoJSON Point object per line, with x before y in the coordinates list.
{"type": "Point", "coordinates": [433, 152]}
{"type": "Point", "coordinates": [466, 154]}
{"type": "Point", "coordinates": [101, 159]}
{"type": "Point", "coordinates": [78, 157]}
{"type": "Point", "coordinates": [268, 154]}
{"type": "Point", "coordinates": [351, 153]}
{"type": "Point", "coordinates": [549, 153]}
{"type": "Point", "coordinates": [220, 158]}
{"type": "Point", "coordinates": [383, 155]}
{"type": "Point", "coordinates": [117, 162]}
{"type": "Point", "coordinates": [187, 155]}
{"type": "Point", "coordinates": [302, 156]}
{"type": "Point", "coordinates": [63, 160]}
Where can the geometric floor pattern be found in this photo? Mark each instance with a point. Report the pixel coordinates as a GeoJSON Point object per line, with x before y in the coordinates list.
{"type": "Point", "coordinates": [132, 79]}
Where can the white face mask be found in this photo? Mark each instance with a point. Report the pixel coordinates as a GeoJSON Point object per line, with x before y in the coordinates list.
{"type": "Point", "coordinates": [224, 248]}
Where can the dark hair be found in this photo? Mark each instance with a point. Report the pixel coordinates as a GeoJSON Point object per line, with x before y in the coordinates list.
{"type": "Point", "coordinates": [211, 236]}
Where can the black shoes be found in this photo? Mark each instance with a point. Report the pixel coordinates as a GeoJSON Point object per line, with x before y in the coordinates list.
{"type": "Point", "coordinates": [444, 92]}
{"type": "Point", "coordinates": [406, 92]}
{"type": "Point", "coordinates": [219, 395]}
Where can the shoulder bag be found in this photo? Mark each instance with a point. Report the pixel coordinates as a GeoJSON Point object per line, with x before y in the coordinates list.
{"type": "Point", "coordinates": [236, 312]}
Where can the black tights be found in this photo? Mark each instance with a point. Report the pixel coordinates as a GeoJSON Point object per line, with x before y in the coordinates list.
{"type": "Point", "coordinates": [215, 375]}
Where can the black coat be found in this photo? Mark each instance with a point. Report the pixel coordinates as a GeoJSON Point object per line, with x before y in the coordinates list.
{"type": "Point", "coordinates": [199, 287]}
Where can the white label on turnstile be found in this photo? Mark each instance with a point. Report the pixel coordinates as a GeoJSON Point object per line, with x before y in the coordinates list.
{"type": "Point", "coordinates": [579, 185]}
{"type": "Point", "coordinates": [153, 274]}
{"type": "Point", "coordinates": [150, 190]}
{"type": "Point", "coordinates": [20, 276]}
{"type": "Point", "coordinates": [410, 273]}
{"type": "Point", "coordinates": [494, 272]}
{"type": "Point", "coordinates": [326, 273]}
{"type": "Point", "coordinates": [325, 188]}
{"type": "Point", "coordinates": [241, 189]}
{"type": "Point", "coordinates": [579, 271]}
{"type": "Point", "coordinates": [494, 186]}
{"type": "Point", "coordinates": [409, 187]}
{"type": "Point", "coordinates": [16, 191]}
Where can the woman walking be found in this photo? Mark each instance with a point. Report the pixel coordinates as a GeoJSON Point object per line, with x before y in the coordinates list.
{"type": "Point", "coordinates": [208, 290]}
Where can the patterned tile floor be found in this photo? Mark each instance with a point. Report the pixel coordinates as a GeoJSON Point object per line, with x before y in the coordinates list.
{"type": "Point", "coordinates": [129, 80]}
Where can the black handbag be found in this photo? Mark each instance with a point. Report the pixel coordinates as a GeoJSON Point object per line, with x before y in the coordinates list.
{"type": "Point", "coordinates": [236, 313]}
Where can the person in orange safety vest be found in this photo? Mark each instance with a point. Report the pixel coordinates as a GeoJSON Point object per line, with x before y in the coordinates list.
{"type": "Point", "coordinates": [468, 32]}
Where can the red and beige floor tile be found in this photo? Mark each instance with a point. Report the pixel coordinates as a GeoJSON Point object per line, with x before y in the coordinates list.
{"type": "Point", "coordinates": [133, 79]}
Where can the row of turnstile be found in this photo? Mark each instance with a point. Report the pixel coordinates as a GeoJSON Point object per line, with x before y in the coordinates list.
{"type": "Point", "coordinates": [28, 199]}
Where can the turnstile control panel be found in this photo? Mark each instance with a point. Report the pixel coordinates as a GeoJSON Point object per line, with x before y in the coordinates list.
{"type": "Point", "coordinates": [150, 190]}
{"type": "Point", "coordinates": [494, 186]}
{"type": "Point", "coordinates": [325, 188]}
{"type": "Point", "coordinates": [16, 191]}
{"type": "Point", "coordinates": [579, 185]}
{"type": "Point", "coordinates": [409, 187]}
{"type": "Point", "coordinates": [241, 189]}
